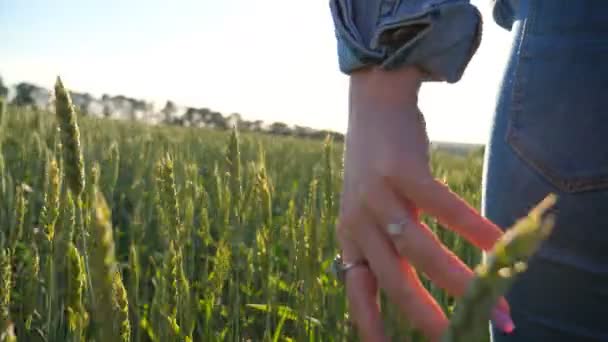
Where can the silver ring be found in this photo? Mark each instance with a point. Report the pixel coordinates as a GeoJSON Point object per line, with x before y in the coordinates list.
{"type": "Point", "coordinates": [396, 229]}
{"type": "Point", "coordinates": [339, 267]}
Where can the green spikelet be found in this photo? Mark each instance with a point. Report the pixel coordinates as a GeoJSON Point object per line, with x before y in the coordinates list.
{"type": "Point", "coordinates": [186, 308]}
{"type": "Point", "coordinates": [166, 297]}
{"type": "Point", "coordinates": [66, 234]}
{"type": "Point", "coordinates": [50, 208]}
{"type": "Point", "coordinates": [188, 222]}
{"type": "Point", "coordinates": [171, 277]}
{"type": "Point", "coordinates": [133, 289]}
{"type": "Point", "coordinates": [329, 173]}
{"type": "Point", "coordinates": [48, 219]}
{"type": "Point", "coordinates": [25, 271]}
{"type": "Point", "coordinates": [507, 259]}
{"type": "Point", "coordinates": [203, 235]}
{"type": "Point", "coordinates": [263, 191]}
{"type": "Point", "coordinates": [219, 191]}
{"type": "Point", "coordinates": [113, 166]}
{"type": "Point", "coordinates": [168, 197]}
{"type": "Point", "coordinates": [221, 271]}
{"type": "Point", "coordinates": [81, 233]}
{"type": "Point", "coordinates": [102, 270]}
{"type": "Point", "coordinates": [29, 280]}
{"type": "Point", "coordinates": [204, 231]}
{"type": "Point", "coordinates": [233, 164]}
{"type": "Point", "coordinates": [115, 156]}
{"type": "Point", "coordinates": [16, 233]}
{"type": "Point", "coordinates": [328, 211]}
{"type": "Point", "coordinates": [77, 315]}
{"type": "Point", "coordinates": [70, 139]}
{"type": "Point", "coordinates": [134, 275]}
{"type": "Point", "coordinates": [121, 309]}
{"type": "Point", "coordinates": [5, 290]}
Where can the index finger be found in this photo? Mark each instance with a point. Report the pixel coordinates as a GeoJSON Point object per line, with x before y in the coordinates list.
{"type": "Point", "coordinates": [437, 200]}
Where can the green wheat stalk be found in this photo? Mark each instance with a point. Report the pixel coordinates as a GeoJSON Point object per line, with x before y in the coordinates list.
{"type": "Point", "coordinates": [50, 207]}
{"type": "Point", "coordinates": [169, 205]}
{"type": "Point", "coordinates": [233, 163]}
{"type": "Point", "coordinates": [108, 302]}
{"type": "Point", "coordinates": [70, 139]}
{"type": "Point", "coordinates": [134, 286]}
{"type": "Point", "coordinates": [185, 307]}
{"type": "Point", "coordinates": [48, 218]}
{"type": "Point", "coordinates": [7, 333]}
{"type": "Point", "coordinates": [507, 259]}
{"type": "Point", "coordinates": [29, 280]}
{"type": "Point", "coordinates": [6, 272]}
{"type": "Point", "coordinates": [121, 308]}
{"type": "Point", "coordinates": [76, 282]}
{"type": "Point", "coordinates": [113, 166]}
{"type": "Point", "coordinates": [16, 233]}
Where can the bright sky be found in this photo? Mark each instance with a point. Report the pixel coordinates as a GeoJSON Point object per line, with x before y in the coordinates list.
{"type": "Point", "coordinates": [273, 60]}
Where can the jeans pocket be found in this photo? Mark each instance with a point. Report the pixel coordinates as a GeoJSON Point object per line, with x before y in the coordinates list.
{"type": "Point", "coordinates": [558, 122]}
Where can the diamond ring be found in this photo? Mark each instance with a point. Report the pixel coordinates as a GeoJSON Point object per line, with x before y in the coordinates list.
{"type": "Point", "coordinates": [396, 229]}
{"type": "Point", "coordinates": [339, 267]}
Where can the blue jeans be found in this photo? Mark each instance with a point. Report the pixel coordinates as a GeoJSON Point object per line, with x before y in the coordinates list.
{"type": "Point", "coordinates": [550, 134]}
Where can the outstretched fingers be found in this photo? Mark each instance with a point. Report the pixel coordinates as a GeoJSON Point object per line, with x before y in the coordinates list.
{"type": "Point", "coordinates": [423, 249]}
{"type": "Point", "coordinates": [397, 278]}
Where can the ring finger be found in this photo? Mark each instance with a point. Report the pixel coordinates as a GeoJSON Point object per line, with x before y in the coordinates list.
{"type": "Point", "coordinates": [361, 290]}
{"type": "Point", "coordinates": [397, 277]}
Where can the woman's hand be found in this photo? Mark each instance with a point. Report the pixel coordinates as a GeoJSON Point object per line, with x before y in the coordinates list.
{"type": "Point", "coordinates": [387, 183]}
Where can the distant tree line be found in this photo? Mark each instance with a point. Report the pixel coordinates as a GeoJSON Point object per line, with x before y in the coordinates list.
{"type": "Point", "coordinates": [3, 89]}
{"type": "Point", "coordinates": [127, 108]}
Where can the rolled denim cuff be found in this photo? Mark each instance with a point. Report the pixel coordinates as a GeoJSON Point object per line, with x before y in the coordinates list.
{"type": "Point", "coordinates": [438, 36]}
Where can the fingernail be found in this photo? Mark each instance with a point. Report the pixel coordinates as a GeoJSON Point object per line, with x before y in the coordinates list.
{"type": "Point", "coordinates": [503, 321]}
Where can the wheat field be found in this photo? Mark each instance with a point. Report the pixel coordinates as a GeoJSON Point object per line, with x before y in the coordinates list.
{"type": "Point", "coordinates": [121, 231]}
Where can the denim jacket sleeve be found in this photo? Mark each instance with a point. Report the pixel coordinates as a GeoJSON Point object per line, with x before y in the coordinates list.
{"type": "Point", "coordinates": [504, 13]}
{"type": "Point", "coordinates": [439, 36]}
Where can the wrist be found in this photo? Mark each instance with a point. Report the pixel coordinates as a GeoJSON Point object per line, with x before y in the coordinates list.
{"type": "Point", "coordinates": [377, 92]}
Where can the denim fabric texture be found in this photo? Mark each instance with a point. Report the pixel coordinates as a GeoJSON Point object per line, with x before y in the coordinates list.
{"type": "Point", "coordinates": [439, 36]}
{"type": "Point", "coordinates": [549, 134]}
